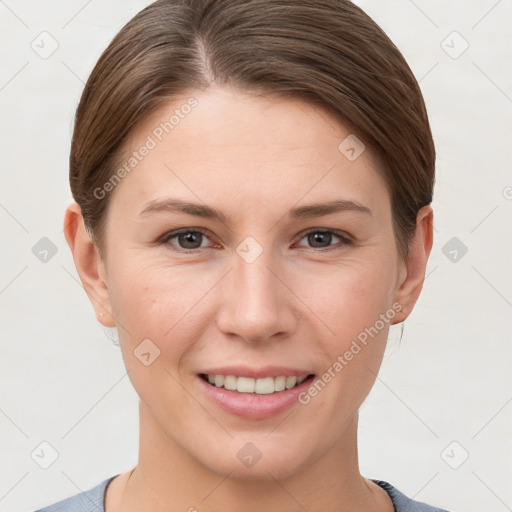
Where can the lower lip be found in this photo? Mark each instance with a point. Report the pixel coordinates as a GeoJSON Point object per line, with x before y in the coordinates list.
{"type": "Point", "coordinates": [253, 406]}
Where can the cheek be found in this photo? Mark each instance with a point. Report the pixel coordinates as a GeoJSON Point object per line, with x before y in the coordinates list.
{"type": "Point", "coordinates": [355, 304]}
{"type": "Point", "coordinates": [156, 301]}
{"type": "Point", "coordinates": [158, 323]}
{"type": "Point", "coordinates": [351, 297]}
{"type": "Point", "coordinates": [153, 298]}
{"type": "Point", "coordinates": [143, 285]}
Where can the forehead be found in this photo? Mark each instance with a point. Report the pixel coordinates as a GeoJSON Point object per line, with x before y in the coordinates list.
{"type": "Point", "coordinates": [225, 146]}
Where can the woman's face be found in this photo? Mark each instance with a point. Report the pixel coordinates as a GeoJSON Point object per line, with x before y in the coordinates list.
{"type": "Point", "coordinates": [260, 284]}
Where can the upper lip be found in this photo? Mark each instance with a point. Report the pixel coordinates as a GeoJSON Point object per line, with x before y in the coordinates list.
{"type": "Point", "coordinates": [256, 373]}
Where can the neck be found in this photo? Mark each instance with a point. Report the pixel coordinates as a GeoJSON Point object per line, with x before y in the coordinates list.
{"type": "Point", "coordinates": [168, 477]}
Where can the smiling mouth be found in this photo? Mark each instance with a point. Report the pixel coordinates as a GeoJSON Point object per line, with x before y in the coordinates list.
{"type": "Point", "coordinates": [262, 386]}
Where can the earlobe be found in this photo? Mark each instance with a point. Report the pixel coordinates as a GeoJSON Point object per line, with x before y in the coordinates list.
{"type": "Point", "coordinates": [413, 271]}
{"type": "Point", "coordinates": [89, 264]}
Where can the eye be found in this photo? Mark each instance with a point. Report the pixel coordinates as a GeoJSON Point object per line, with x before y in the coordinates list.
{"type": "Point", "coordinates": [187, 239]}
{"type": "Point", "coordinates": [319, 239]}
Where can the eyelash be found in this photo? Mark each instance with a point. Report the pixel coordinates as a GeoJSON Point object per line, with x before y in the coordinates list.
{"type": "Point", "coordinates": [345, 239]}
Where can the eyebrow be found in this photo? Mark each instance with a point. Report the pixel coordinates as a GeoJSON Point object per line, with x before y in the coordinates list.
{"type": "Point", "coordinates": [202, 210]}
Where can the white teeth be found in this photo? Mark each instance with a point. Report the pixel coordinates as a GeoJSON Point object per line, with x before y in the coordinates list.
{"type": "Point", "coordinates": [290, 382]}
{"type": "Point", "coordinates": [230, 382]}
{"type": "Point", "coordinates": [263, 386]}
{"type": "Point", "coordinates": [245, 385]}
{"type": "Point", "coordinates": [280, 384]}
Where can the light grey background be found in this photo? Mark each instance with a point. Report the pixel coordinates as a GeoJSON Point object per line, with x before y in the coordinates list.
{"type": "Point", "coordinates": [449, 380]}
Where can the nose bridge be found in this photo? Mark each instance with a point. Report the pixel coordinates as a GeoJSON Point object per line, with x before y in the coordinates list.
{"type": "Point", "coordinates": [254, 307]}
{"type": "Point", "coordinates": [255, 280]}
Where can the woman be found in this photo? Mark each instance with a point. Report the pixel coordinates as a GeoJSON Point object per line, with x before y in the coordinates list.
{"type": "Point", "coordinates": [253, 181]}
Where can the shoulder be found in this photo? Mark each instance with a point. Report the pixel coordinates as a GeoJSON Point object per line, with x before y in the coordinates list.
{"type": "Point", "coordinates": [403, 503]}
{"type": "Point", "coordinates": [91, 500]}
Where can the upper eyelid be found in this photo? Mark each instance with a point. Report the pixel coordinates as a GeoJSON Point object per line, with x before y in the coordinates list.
{"type": "Point", "coordinates": [337, 232]}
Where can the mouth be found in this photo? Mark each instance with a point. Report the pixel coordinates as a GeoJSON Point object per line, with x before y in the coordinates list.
{"type": "Point", "coordinates": [259, 386]}
{"type": "Point", "coordinates": [254, 395]}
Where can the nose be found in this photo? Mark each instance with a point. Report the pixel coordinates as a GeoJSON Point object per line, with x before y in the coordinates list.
{"type": "Point", "coordinates": [256, 304]}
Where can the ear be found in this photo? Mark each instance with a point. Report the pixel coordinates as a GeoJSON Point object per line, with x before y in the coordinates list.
{"type": "Point", "coordinates": [89, 264]}
{"type": "Point", "coordinates": [412, 274]}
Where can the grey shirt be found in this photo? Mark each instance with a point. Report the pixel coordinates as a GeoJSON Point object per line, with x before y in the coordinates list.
{"type": "Point", "coordinates": [93, 500]}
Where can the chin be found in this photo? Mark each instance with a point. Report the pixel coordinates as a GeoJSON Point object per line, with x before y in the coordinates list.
{"type": "Point", "coordinates": [257, 457]}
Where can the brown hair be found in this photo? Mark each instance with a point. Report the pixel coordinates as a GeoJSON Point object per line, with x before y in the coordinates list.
{"type": "Point", "coordinates": [327, 52]}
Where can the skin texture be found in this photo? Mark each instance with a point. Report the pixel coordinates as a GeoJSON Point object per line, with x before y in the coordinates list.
{"type": "Point", "coordinates": [297, 305]}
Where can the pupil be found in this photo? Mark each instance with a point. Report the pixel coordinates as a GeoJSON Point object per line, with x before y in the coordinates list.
{"type": "Point", "coordinates": [190, 237]}
{"type": "Point", "coordinates": [319, 237]}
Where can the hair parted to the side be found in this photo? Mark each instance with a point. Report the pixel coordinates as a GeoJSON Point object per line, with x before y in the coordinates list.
{"type": "Point", "coordinates": [327, 52]}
